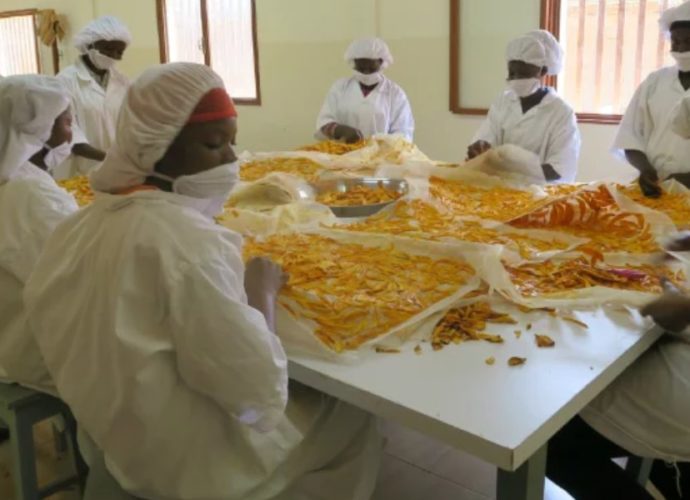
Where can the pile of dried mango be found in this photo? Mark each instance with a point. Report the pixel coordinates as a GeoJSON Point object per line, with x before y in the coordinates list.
{"type": "Point", "coordinates": [675, 205]}
{"type": "Point", "coordinates": [357, 196]}
{"type": "Point", "coordinates": [354, 293]}
{"type": "Point", "coordinates": [334, 147]}
{"type": "Point", "coordinates": [80, 188]}
{"type": "Point", "coordinates": [300, 167]}
{"type": "Point", "coordinates": [466, 323]}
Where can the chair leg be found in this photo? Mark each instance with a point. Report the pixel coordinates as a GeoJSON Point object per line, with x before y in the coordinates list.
{"type": "Point", "coordinates": [23, 458]}
{"type": "Point", "coordinates": [639, 469]}
{"type": "Point", "coordinates": [80, 466]}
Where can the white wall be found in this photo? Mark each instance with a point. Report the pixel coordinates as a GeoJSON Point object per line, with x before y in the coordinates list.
{"type": "Point", "coordinates": [301, 43]}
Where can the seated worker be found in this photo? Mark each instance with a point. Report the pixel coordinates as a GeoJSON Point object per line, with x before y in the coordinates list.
{"type": "Point", "coordinates": [160, 348]}
{"type": "Point", "coordinates": [643, 413]}
{"type": "Point", "coordinates": [645, 136]}
{"type": "Point", "coordinates": [366, 103]}
{"type": "Point", "coordinates": [34, 117]}
{"type": "Point", "coordinates": [529, 114]}
{"type": "Point", "coordinates": [97, 89]}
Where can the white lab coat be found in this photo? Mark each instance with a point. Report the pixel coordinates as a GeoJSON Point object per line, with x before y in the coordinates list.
{"type": "Point", "coordinates": [172, 374]}
{"type": "Point", "coordinates": [31, 205]}
{"type": "Point", "coordinates": [549, 130]}
{"type": "Point", "coordinates": [647, 124]}
{"type": "Point", "coordinates": [385, 110]}
{"type": "Point", "coordinates": [647, 409]}
{"type": "Point", "coordinates": [95, 112]}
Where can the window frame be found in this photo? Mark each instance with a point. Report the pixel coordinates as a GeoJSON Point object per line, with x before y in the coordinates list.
{"type": "Point", "coordinates": [33, 13]}
{"type": "Point", "coordinates": [163, 45]}
{"type": "Point", "coordinates": [551, 21]}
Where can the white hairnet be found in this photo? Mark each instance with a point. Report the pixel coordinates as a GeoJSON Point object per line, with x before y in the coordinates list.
{"type": "Point", "coordinates": [107, 28]}
{"type": "Point", "coordinates": [369, 48]}
{"type": "Point", "coordinates": [674, 15]}
{"type": "Point", "coordinates": [156, 107]}
{"type": "Point", "coordinates": [680, 118]}
{"type": "Point", "coordinates": [29, 105]}
{"type": "Point", "coordinates": [539, 48]}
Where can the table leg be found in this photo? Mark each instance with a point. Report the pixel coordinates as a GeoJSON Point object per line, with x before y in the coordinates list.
{"type": "Point", "coordinates": [639, 469]}
{"type": "Point", "coordinates": [527, 482]}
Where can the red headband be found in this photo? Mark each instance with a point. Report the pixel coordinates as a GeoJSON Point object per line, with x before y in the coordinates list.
{"type": "Point", "coordinates": [215, 105]}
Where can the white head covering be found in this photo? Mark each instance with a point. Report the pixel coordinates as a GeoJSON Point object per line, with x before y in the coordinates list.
{"type": "Point", "coordinates": [104, 28]}
{"type": "Point", "coordinates": [674, 15]}
{"type": "Point", "coordinates": [539, 48]}
{"type": "Point", "coordinates": [29, 105]}
{"type": "Point", "coordinates": [369, 48]}
{"type": "Point", "coordinates": [156, 107]}
{"type": "Point", "coordinates": [680, 118]}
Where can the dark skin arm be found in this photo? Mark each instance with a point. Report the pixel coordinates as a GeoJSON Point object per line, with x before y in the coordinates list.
{"type": "Point", "coordinates": [649, 179]}
{"type": "Point", "coordinates": [550, 173]}
{"type": "Point", "coordinates": [684, 179]}
{"type": "Point", "coordinates": [87, 151]}
{"type": "Point", "coordinates": [39, 159]}
{"type": "Point", "coordinates": [477, 148]}
{"type": "Point", "coordinates": [347, 134]}
{"type": "Point", "coordinates": [671, 312]}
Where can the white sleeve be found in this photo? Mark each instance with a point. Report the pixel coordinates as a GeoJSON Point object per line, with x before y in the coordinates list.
{"type": "Point", "coordinates": [329, 110]}
{"type": "Point", "coordinates": [563, 148]}
{"type": "Point", "coordinates": [636, 126]}
{"type": "Point", "coordinates": [78, 136]}
{"type": "Point", "coordinates": [224, 347]}
{"type": "Point", "coordinates": [402, 120]}
{"type": "Point", "coordinates": [490, 129]}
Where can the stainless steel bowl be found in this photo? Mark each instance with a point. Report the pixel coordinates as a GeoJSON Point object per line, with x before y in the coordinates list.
{"type": "Point", "coordinates": [343, 185]}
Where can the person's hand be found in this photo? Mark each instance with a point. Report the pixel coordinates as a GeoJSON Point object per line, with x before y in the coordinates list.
{"type": "Point", "coordinates": [649, 184]}
{"type": "Point", "coordinates": [680, 244]}
{"type": "Point", "coordinates": [671, 312]}
{"type": "Point", "coordinates": [478, 148]}
{"type": "Point", "coordinates": [347, 134]}
{"type": "Point", "coordinates": [263, 279]}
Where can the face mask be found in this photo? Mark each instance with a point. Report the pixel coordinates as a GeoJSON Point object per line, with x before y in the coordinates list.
{"type": "Point", "coordinates": [213, 186]}
{"type": "Point", "coordinates": [524, 87]}
{"type": "Point", "coordinates": [368, 79]}
{"type": "Point", "coordinates": [56, 156]}
{"type": "Point", "coordinates": [101, 61]}
{"type": "Point", "coordinates": [682, 60]}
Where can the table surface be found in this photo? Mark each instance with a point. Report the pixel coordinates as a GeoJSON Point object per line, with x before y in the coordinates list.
{"type": "Point", "coordinates": [497, 413]}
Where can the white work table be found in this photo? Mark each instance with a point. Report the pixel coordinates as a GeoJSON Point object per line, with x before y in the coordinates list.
{"type": "Point", "coordinates": [500, 414]}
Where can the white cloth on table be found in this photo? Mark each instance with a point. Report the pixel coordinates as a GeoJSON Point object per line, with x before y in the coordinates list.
{"type": "Point", "coordinates": [647, 125]}
{"type": "Point", "coordinates": [549, 130]}
{"type": "Point", "coordinates": [385, 110]}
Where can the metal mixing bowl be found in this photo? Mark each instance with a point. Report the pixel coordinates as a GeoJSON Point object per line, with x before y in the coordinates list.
{"type": "Point", "coordinates": [343, 185]}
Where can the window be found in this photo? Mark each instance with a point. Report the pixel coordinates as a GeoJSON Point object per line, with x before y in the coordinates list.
{"type": "Point", "coordinates": [19, 48]}
{"type": "Point", "coordinates": [611, 46]}
{"type": "Point", "coordinates": [218, 33]}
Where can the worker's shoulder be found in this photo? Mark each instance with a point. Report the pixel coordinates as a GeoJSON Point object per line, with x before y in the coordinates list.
{"type": "Point", "coordinates": [556, 101]}
{"type": "Point", "coordinates": [665, 74]}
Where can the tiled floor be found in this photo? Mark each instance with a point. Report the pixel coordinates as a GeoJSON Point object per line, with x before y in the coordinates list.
{"type": "Point", "coordinates": [414, 467]}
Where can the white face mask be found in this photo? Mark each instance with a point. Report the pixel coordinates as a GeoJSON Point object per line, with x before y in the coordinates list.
{"type": "Point", "coordinates": [369, 79]}
{"type": "Point", "coordinates": [212, 186]}
{"type": "Point", "coordinates": [682, 60]}
{"type": "Point", "coordinates": [101, 61]}
{"type": "Point", "coordinates": [57, 155]}
{"type": "Point", "coordinates": [524, 87]}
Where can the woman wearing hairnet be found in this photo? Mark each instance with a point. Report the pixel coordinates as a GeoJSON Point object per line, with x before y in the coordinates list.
{"type": "Point", "coordinates": [34, 116]}
{"type": "Point", "coordinates": [531, 115]}
{"type": "Point", "coordinates": [645, 412]}
{"type": "Point", "coordinates": [179, 386]}
{"type": "Point", "coordinates": [97, 90]}
{"type": "Point", "coordinates": [645, 137]}
{"type": "Point", "coordinates": [366, 103]}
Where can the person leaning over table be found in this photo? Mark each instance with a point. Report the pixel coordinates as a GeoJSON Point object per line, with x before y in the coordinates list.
{"type": "Point", "coordinates": [34, 115]}
{"type": "Point", "coordinates": [183, 393]}
{"type": "Point", "coordinates": [643, 413]}
{"type": "Point", "coordinates": [644, 136]}
{"type": "Point", "coordinates": [366, 103]}
{"type": "Point", "coordinates": [531, 115]}
{"type": "Point", "coordinates": [97, 89]}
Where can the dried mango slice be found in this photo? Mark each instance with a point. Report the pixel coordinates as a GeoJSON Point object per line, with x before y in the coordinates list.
{"type": "Point", "coordinates": [544, 341]}
{"type": "Point", "coordinates": [80, 188]}
{"type": "Point", "coordinates": [468, 323]}
{"type": "Point", "coordinates": [516, 361]}
{"type": "Point", "coordinates": [358, 195]}
{"type": "Point", "coordinates": [300, 167]}
{"type": "Point", "coordinates": [334, 147]}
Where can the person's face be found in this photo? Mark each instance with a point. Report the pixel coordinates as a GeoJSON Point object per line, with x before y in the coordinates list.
{"type": "Point", "coordinates": [520, 70]}
{"type": "Point", "coordinates": [114, 49]}
{"type": "Point", "coordinates": [200, 147]}
{"type": "Point", "coordinates": [368, 66]}
{"type": "Point", "coordinates": [680, 39]}
{"type": "Point", "coordinates": [62, 130]}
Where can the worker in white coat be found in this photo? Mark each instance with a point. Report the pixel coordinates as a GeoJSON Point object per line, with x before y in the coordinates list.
{"type": "Point", "coordinates": [367, 103]}
{"type": "Point", "coordinates": [645, 137]}
{"type": "Point", "coordinates": [531, 115]}
{"type": "Point", "coordinates": [183, 390]}
{"type": "Point", "coordinates": [34, 117]}
{"type": "Point", "coordinates": [97, 89]}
